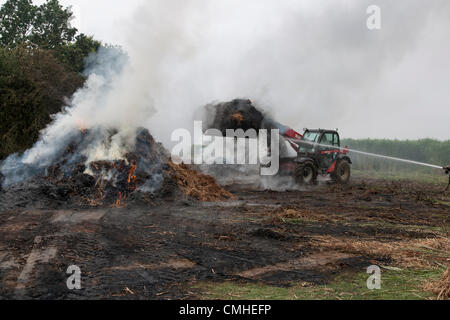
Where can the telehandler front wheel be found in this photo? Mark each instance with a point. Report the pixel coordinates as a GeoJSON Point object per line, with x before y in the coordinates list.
{"type": "Point", "coordinates": [305, 173]}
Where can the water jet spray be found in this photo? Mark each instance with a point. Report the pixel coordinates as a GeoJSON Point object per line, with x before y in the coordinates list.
{"type": "Point", "coordinates": [346, 149]}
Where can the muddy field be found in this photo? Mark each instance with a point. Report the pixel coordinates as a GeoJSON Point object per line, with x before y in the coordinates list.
{"type": "Point", "coordinates": [181, 249]}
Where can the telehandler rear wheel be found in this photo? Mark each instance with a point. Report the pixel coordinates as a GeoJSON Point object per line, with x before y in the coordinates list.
{"type": "Point", "coordinates": [342, 172]}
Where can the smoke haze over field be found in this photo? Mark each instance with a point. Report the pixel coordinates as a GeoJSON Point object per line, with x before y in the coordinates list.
{"type": "Point", "coordinates": [308, 65]}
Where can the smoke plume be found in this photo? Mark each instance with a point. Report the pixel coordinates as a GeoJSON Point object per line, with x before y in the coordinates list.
{"type": "Point", "coordinates": [306, 64]}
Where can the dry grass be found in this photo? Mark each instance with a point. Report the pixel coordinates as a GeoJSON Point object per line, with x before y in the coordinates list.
{"type": "Point", "coordinates": [421, 253]}
{"type": "Point", "coordinates": [440, 287]}
{"type": "Point", "coordinates": [197, 185]}
{"type": "Point", "coordinates": [297, 213]}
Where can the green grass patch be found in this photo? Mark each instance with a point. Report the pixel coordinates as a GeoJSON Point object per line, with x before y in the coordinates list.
{"type": "Point", "coordinates": [444, 203]}
{"type": "Point", "coordinates": [443, 230]}
{"type": "Point", "coordinates": [395, 285]}
{"type": "Point", "coordinates": [437, 178]}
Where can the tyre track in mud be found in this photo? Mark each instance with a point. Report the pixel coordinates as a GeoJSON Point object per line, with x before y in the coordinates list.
{"type": "Point", "coordinates": [160, 251]}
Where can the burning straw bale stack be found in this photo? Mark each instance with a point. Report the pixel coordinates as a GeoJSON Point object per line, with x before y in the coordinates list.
{"type": "Point", "coordinates": [145, 170]}
{"type": "Point", "coordinates": [106, 180]}
{"type": "Point", "coordinates": [236, 114]}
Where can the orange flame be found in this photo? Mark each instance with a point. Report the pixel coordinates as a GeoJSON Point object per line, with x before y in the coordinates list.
{"type": "Point", "coordinates": [131, 175]}
{"type": "Point", "coordinates": [119, 200]}
{"type": "Point", "coordinates": [238, 117]}
{"type": "Point", "coordinates": [81, 125]}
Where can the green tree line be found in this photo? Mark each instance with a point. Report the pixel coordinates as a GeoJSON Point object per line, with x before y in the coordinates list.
{"type": "Point", "coordinates": [41, 62]}
{"type": "Point", "coordinates": [424, 150]}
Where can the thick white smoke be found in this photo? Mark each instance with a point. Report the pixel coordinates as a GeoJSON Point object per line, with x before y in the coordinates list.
{"type": "Point", "coordinates": [307, 64]}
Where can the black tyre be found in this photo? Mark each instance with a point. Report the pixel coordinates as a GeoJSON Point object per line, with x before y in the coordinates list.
{"type": "Point", "coordinates": [342, 172]}
{"type": "Point", "coordinates": [305, 173]}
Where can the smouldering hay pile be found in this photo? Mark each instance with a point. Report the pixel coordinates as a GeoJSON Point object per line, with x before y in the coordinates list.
{"type": "Point", "coordinates": [197, 185]}
{"type": "Point", "coordinates": [148, 169]}
{"type": "Point", "coordinates": [236, 114]}
{"type": "Point", "coordinates": [146, 173]}
{"type": "Point", "coordinates": [440, 287]}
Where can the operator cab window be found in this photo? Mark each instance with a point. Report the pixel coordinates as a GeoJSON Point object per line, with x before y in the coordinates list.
{"type": "Point", "coordinates": [327, 139]}
{"type": "Point", "coordinates": [335, 140]}
{"type": "Point", "coordinates": [311, 136]}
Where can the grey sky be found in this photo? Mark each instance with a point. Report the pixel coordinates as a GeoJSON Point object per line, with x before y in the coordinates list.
{"type": "Point", "coordinates": [311, 63]}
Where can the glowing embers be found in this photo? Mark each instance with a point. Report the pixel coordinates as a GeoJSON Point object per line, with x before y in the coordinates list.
{"type": "Point", "coordinates": [131, 175]}
{"type": "Point", "coordinates": [238, 117]}
{"type": "Point", "coordinates": [131, 187]}
{"type": "Point", "coordinates": [117, 178]}
{"type": "Point", "coordinates": [120, 200]}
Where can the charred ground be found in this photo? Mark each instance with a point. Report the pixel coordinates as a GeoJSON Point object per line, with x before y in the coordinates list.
{"type": "Point", "coordinates": [178, 247]}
